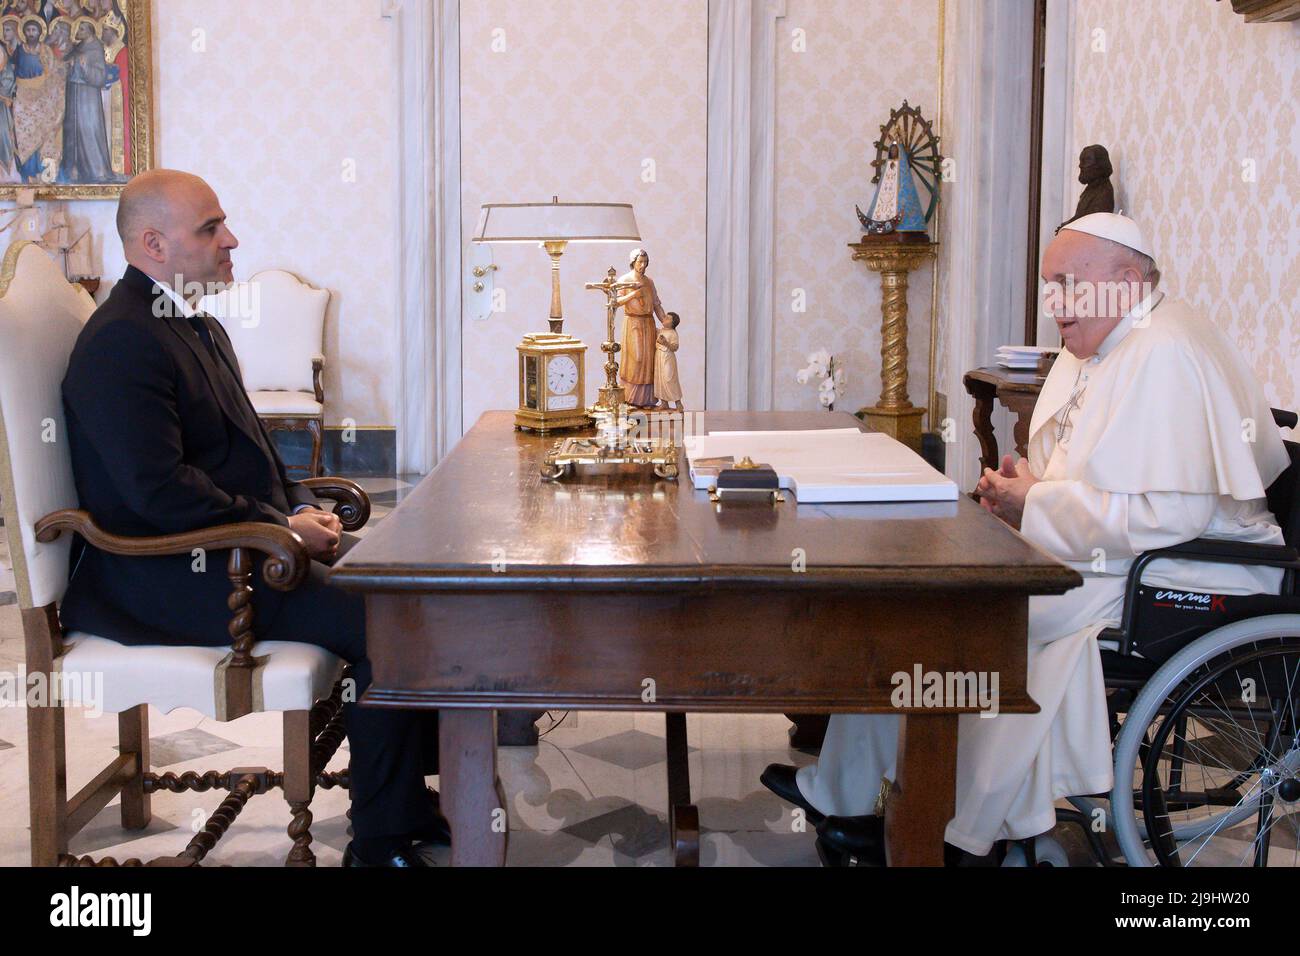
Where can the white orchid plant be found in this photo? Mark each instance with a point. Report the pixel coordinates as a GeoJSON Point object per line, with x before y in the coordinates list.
{"type": "Point", "coordinates": [827, 374]}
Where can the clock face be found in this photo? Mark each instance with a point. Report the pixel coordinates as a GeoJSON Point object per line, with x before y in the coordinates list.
{"type": "Point", "coordinates": [561, 375]}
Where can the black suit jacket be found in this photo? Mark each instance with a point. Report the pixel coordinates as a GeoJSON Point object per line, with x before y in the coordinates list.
{"type": "Point", "coordinates": [163, 440]}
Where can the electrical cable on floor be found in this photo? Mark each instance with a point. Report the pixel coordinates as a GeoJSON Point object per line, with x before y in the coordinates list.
{"type": "Point", "coordinates": [554, 723]}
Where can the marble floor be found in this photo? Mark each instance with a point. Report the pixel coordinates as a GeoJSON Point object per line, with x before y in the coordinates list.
{"type": "Point", "coordinates": [593, 792]}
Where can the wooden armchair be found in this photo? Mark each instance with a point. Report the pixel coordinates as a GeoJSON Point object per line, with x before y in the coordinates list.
{"type": "Point", "coordinates": [40, 317]}
{"type": "Point", "coordinates": [276, 323]}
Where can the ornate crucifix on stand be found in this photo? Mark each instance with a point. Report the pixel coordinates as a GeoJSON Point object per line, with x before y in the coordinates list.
{"type": "Point", "coordinates": [611, 396]}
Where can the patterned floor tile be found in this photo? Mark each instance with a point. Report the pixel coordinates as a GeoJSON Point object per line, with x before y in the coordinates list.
{"type": "Point", "coordinates": [104, 833]}
{"type": "Point", "coordinates": [631, 750]}
{"type": "Point", "coordinates": [531, 848]}
{"type": "Point", "coordinates": [632, 832]}
{"type": "Point", "coordinates": [332, 831]}
{"type": "Point", "coordinates": [186, 745]}
{"type": "Point", "coordinates": [759, 849]}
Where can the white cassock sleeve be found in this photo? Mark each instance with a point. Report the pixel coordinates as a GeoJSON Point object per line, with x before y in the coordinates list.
{"type": "Point", "coordinates": [1072, 518]}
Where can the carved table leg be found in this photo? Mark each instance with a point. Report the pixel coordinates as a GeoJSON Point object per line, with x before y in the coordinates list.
{"type": "Point", "coordinates": [683, 817]}
{"type": "Point", "coordinates": [1022, 406]}
{"type": "Point", "coordinates": [922, 800]}
{"type": "Point", "coordinates": [471, 794]}
{"type": "Point", "coordinates": [982, 417]}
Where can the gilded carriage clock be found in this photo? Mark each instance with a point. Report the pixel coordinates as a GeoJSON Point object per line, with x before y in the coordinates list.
{"type": "Point", "coordinates": [552, 382]}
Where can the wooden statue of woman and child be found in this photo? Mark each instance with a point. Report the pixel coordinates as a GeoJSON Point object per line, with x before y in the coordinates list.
{"type": "Point", "coordinates": [648, 370]}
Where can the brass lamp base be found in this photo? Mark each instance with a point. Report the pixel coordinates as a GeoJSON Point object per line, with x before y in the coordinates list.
{"type": "Point", "coordinates": [901, 424]}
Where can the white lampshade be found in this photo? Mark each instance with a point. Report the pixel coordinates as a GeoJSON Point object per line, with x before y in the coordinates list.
{"type": "Point", "coordinates": [555, 220]}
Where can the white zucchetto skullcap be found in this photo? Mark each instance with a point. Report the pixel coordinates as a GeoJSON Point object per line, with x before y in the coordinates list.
{"type": "Point", "coordinates": [1116, 228]}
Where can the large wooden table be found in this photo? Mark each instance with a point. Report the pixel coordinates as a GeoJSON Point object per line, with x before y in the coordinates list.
{"type": "Point", "coordinates": [489, 589]}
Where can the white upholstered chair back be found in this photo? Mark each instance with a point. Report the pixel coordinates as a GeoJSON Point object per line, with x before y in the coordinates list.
{"type": "Point", "coordinates": [41, 314]}
{"type": "Point", "coordinates": [276, 322]}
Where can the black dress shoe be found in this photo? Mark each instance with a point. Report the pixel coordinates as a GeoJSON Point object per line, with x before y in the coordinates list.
{"type": "Point", "coordinates": [403, 857]}
{"type": "Point", "coordinates": [860, 841]}
{"type": "Point", "coordinates": [852, 841]}
{"type": "Point", "coordinates": [437, 832]}
{"type": "Point", "coordinates": [779, 778]}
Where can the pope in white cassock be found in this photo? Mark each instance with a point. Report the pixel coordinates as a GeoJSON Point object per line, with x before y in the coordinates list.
{"type": "Point", "coordinates": [1150, 430]}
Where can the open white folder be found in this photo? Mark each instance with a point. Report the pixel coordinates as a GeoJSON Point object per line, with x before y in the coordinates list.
{"type": "Point", "coordinates": [822, 466]}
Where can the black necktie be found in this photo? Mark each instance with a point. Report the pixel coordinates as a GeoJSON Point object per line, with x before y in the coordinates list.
{"type": "Point", "coordinates": [230, 382]}
{"type": "Point", "coordinates": [204, 333]}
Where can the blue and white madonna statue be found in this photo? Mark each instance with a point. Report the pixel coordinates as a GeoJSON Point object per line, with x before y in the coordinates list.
{"type": "Point", "coordinates": [896, 207]}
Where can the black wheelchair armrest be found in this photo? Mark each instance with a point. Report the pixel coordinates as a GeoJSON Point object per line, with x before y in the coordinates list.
{"type": "Point", "coordinates": [1232, 551]}
{"type": "Point", "coordinates": [1209, 551]}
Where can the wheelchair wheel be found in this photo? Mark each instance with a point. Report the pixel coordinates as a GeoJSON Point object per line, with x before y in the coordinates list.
{"type": "Point", "coordinates": [1207, 770]}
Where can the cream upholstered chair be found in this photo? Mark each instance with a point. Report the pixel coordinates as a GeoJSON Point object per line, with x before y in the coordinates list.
{"type": "Point", "coordinates": [276, 322]}
{"type": "Point", "coordinates": [40, 317]}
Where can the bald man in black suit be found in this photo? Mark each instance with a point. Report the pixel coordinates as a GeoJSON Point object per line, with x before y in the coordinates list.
{"type": "Point", "coordinates": [164, 440]}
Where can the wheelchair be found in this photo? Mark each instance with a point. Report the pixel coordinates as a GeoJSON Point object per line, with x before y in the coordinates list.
{"type": "Point", "coordinates": [1202, 693]}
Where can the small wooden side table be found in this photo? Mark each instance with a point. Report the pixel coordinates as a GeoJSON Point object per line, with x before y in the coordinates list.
{"type": "Point", "coordinates": [1018, 391]}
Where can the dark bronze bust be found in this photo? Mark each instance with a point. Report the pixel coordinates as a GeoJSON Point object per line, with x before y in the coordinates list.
{"type": "Point", "coordinates": [1094, 173]}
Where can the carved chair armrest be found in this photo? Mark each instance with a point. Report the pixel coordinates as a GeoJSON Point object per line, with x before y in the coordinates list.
{"type": "Point", "coordinates": [318, 366]}
{"type": "Point", "coordinates": [286, 556]}
{"type": "Point", "coordinates": [352, 504]}
{"type": "Point", "coordinates": [285, 566]}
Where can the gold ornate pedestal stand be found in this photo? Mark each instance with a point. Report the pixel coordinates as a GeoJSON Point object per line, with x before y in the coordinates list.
{"type": "Point", "coordinates": [894, 414]}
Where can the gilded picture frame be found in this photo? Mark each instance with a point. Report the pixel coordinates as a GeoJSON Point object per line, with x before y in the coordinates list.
{"type": "Point", "coordinates": [51, 139]}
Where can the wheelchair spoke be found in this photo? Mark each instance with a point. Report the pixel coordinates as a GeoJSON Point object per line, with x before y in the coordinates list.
{"type": "Point", "coordinates": [1219, 762]}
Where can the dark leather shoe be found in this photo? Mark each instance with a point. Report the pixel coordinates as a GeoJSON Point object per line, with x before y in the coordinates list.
{"type": "Point", "coordinates": [439, 831]}
{"type": "Point", "coordinates": [779, 778]}
{"type": "Point", "coordinates": [859, 840]}
{"type": "Point", "coordinates": [405, 857]}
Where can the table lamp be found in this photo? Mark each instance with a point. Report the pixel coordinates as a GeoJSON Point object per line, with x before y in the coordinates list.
{"type": "Point", "coordinates": [552, 376]}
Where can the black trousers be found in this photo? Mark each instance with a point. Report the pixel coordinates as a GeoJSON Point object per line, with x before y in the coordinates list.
{"type": "Point", "coordinates": [392, 750]}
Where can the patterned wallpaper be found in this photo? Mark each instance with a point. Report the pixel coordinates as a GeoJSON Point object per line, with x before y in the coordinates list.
{"type": "Point", "coordinates": [292, 120]}
{"type": "Point", "coordinates": [272, 115]}
{"type": "Point", "coordinates": [862, 58]}
{"type": "Point", "coordinates": [586, 101]}
{"type": "Point", "coordinates": [1206, 149]}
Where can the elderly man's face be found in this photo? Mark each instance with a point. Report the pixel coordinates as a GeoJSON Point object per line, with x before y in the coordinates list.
{"type": "Point", "coordinates": [1090, 287]}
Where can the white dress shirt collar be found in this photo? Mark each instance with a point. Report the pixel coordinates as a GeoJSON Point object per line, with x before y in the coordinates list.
{"type": "Point", "coordinates": [186, 310]}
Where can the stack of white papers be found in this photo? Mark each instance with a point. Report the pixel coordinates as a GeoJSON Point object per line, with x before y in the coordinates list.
{"type": "Point", "coordinates": [823, 466]}
{"type": "Point", "coordinates": [1022, 357]}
